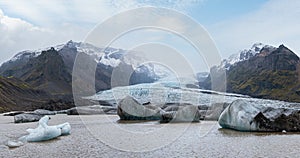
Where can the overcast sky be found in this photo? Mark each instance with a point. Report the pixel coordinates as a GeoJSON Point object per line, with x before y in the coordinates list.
{"type": "Point", "coordinates": [233, 24]}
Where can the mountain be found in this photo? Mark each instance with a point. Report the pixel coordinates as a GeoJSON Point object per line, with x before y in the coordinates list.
{"type": "Point", "coordinates": [201, 76]}
{"type": "Point", "coordinates": [270, 73]}
{"type": "Point", "coordinates": [217, 74]}
{"type": "Point", "coordinates": [46, 72]}
{"type": "Point", "coordinates": [18, 95]}
{"type": "Point", "coordinates": [243, 55]}
{"type": "Point", "coordinates": [50, 69]}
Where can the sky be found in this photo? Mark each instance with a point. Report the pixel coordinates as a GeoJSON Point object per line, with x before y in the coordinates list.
{"type": "Point", "coordinates": [233, 25]}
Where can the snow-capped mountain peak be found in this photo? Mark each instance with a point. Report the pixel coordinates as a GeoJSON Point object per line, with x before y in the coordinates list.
{"type": "Point", "coordinates": [33, 53]}
{"type": "Point", "coordinates": [108, 57]}
{"type": "Point", "coordinates": [243, 55]}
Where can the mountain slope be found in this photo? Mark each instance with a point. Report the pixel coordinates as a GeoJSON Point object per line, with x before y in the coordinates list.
{"type": "Point", "coordinates": [17, 95]}
{"type": "Point", "coordinates": [272, 73]}
{"type": "Point", "coordinates": [51, 69]}
{"type": "Point", "coordinates": [243, 55]}
{"type": "Point", "coordinates": [46, 71]}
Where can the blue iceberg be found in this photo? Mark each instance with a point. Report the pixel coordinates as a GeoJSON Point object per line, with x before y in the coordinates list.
{"type": "Point", "coordinates": [42, 133]}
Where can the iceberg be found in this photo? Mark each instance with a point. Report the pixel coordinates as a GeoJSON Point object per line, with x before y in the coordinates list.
{"type": "Point", "coordinates": [244, 115]}
{"type": "Point", "coordinates": [42, 133]}
{"type": "Point", "coordinates": [239, 115]}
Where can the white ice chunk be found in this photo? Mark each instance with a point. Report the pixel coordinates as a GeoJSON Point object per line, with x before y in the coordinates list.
{"type": "Point", "coordinates": [41, 133]}
{"type": "Point", "coordinates": [239, 115]}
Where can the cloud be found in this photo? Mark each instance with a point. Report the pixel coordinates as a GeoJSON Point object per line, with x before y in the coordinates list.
{"type": "Point", "coordinates": [18, 35]}
{"type": "Point", "coordinates": [34, 24]}
{"type": "Point", "coordinates": [78, 12]}
{"type": "Point", "coordinates": [275, 23]}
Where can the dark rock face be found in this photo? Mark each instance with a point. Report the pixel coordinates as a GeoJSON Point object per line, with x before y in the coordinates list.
{"type": "Point", "coordinates": [246, 116]}
{"type": "Point", "coordinates": [131, 109]}
{"type": "Point", "coordinates": [27, 117]}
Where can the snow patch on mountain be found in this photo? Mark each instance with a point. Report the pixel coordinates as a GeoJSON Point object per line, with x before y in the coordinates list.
{"type": "Point", "coordinates": [107, 56]}
{"type": "Point", "coordinates": [33, 53]}
{"type": "Point", "coordinates": [243, 55]}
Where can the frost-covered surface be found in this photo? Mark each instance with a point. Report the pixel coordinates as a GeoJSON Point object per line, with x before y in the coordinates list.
{"type": "Point", "coordinates": [42, 133]}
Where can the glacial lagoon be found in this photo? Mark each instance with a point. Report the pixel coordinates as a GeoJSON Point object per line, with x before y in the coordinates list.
{"type": "Point", "coordinates": [204, 139]}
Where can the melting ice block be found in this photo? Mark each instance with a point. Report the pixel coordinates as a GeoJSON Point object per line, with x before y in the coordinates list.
{"type": "Point", "coordinates": [42, 133]}
{"type": "Point", "coordinates": [243, 115]}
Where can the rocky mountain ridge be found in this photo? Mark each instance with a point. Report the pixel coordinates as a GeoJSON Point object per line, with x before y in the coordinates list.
{"type": "Point", "coordinates": [272, 73]}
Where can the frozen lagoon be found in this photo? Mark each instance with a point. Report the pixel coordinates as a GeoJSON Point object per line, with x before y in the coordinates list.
{"type": "Point", "coordinates": [204, 139]}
